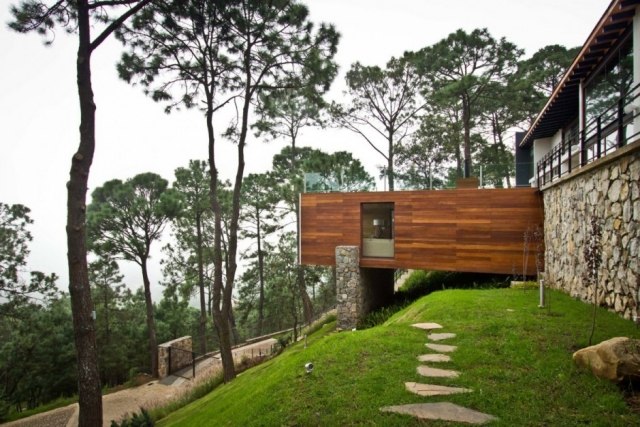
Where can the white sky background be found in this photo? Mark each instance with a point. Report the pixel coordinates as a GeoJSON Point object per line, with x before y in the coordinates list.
{"type": "Point", "coordinates": [39, 114]}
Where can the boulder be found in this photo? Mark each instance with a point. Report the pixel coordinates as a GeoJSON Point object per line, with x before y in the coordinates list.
{"type": "Point", "coordinates": [613, 359]}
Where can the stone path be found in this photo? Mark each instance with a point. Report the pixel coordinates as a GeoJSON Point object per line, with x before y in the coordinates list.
{"type": "Point", "coordinates": [434, 357]}
{"type": "Point", "coordinates": [441, 410]}
{"type": "Point", "coordinates": [441, 347]}
{"type": "Point", "coordinates": [427, 371]}
{"type": "Point", "coordinates": [434, 390]}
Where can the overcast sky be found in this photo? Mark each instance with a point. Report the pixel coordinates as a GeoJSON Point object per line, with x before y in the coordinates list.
{"type": "Point", "coordinates": [39, 113]}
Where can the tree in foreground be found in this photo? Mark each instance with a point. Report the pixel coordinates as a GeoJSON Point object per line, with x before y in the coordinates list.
{"type": "Point", "coordinates": [206, 53]}
{"type": "Point", "coordinates": [461, 68]}
{"type": "Point", "coordinates": [124, 219]}
{"type": "Point", "coordinates": [283, 114]}
{"type": "Point", "coordinates": [83, 17]}
{"type": "Point", "coordinates": [420, 162]}
{"type": "Point", "coordinates": [193, 186]}
{"type": "Point", "coordinates": [258, 216]}
{"type": "Point", "coordinates": [383, 105]}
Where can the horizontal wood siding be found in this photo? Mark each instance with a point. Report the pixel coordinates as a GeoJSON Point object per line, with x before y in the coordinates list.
{"type": "Point", "coordinates": [451, 230]}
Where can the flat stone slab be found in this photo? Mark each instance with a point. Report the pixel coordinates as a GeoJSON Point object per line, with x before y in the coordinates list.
{"type": "Point", "coordinates": [441, 347]}
{"type": "Point", "coordinates": [434, 390]}
{"type": "Point", "coordinates": [428, 371]}
{"type": "Point", "coordinates": [434, 357]}
{"type": "Point", "coordinates": [439, 337]}
{"type": "Point", "coordinates": [427, 326]}
{"type": "Point", "coordinates": [441, 411]}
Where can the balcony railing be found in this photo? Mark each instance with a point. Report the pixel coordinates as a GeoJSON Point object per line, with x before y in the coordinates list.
{"type": "Point", "coordinates": [613, 129]}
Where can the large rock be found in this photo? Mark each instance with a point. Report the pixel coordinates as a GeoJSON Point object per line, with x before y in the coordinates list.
{"type": "Point", "coordinates": [613, 359]}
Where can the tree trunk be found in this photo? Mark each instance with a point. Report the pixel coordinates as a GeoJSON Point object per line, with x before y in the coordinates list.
{"type": "Point", "coordinates": [466, 123]}
{"type": "Point", "coordinates": [307, 305]}
{"type": "Point", "coordinates": [203, 305]}
{"type": "Point", "coordinates": [89, 388]}
{"type": "Point", "coordinates": [220, 318]}
{"type": "Point", "coordinates": [390, 173]}
{"type": "Point", "coordinates": [151, 324]}
{"type": "Point", "coordinates": [261, 276]}
{"type": "Point", "coordinates": [107, 331]}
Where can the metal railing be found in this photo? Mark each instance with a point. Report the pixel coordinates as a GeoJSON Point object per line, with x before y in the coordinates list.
{"type": "Point", "coordinates": [602, 135]}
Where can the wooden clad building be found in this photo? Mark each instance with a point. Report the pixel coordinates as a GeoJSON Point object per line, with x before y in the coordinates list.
{"type": "Point", "coordinates": [472, 230]}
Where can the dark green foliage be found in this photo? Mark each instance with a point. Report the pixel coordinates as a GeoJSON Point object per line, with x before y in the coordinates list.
{"type": "Point", "coordinates": [420, 160]}
{"type": "Point", "coordinates": [124, 219]}
{"type": "Point", "coordinates": [461, 70]}
{"type": "Point", "coordinates": [14, 250]}
{"type": "Point", "coordinates": [37, 356]}
{"type": "Point", "coordinates": [381, 315]}
{"type": "Point", "coordinates": [383, 104]}
{"type": "Point", "coordinates": [141, 419]}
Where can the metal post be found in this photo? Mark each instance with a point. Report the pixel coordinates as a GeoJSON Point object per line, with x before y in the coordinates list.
{"type": "Point", "coordinates": [541, 282]}
{"type": "Point", "coordinates": [570, 154]}
{"type": "Point", "coordinates": [598, 137]}
{"type": "Point", "coordinates": [620, 122]}
{"type": "Point", "coordinates": [193, 363]}
{"type": "Point", "coordinates": [583, 148]}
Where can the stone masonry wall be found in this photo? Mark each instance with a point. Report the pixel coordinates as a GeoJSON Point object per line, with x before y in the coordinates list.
{"type": "Point", "coordinates": [612, 193]}
{"type": "Point", "coordinates": [348, 289]}
{"type": "Point", "coordinates": [180, 350]}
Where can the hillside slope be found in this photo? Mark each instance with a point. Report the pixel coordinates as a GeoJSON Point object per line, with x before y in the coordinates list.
{"type": "Point", "coordinates": [516, 358]}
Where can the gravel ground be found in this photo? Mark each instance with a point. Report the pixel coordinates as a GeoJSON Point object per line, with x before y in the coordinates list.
{"type": "Point", "coordinates": [55, 418]}
{"type": "Point", "coordinates": [117, 405]}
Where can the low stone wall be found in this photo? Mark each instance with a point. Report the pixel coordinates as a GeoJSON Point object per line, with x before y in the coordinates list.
{"type": "Point", "coordinates": [174, 355]}
{"type": "Point", "coordinates": [611, 193]}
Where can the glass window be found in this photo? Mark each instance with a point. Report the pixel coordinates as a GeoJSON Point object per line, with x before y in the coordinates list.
{"type": "Point", "coordinates": [377, 230]}
{"type": "Point", "coordinates": [612, 82]}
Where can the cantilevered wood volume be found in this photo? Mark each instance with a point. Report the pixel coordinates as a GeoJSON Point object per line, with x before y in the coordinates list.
{"type": "Point", "coordinates": [474, 230]}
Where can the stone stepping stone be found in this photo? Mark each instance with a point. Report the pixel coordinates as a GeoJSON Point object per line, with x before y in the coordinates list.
{"type": "Point", "coordinates": [441, 411]}
{"type": "Point", "coordinates": [434, 390]}
{"type": "Point", "coordinates": [441, 347]}
{"type": "Point", "coordinates": [439, 337]}
{"type": "Point", "coordinates": [427, 326]}
{"type": "Point", "coordinates": [428, 371]}
{"type": "Point", "coordinates": [434, 357]}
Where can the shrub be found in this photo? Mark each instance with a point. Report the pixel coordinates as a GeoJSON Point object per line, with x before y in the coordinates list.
{"type": "Point", "coordinates": [143, 419]}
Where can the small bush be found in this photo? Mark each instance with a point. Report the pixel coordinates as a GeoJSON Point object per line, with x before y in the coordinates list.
{"type": "Point", "coordinates": [143, 419]}
{"type": "Point", "coordinates": [381, 315]}
{"type": "Point", "coordinates": [284, 340]}
{"type": "Point", "coordinates": [421, 283]}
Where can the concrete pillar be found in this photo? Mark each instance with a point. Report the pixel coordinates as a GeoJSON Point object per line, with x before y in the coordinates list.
{"type": "Point", "coordinates": [359, 290]}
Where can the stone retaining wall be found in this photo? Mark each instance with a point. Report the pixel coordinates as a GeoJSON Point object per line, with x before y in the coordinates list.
{"type": "Point", "coordinates": [611, 193]}
{"type": "Point", "coordinates": [174, 355]}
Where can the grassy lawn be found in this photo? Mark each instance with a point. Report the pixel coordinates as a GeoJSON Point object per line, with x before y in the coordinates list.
{"type": "Point", "coordinates": [516, 358]}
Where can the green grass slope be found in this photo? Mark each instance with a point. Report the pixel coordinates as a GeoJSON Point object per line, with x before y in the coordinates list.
{"type": "Point", "coordinates": [515, 356]}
